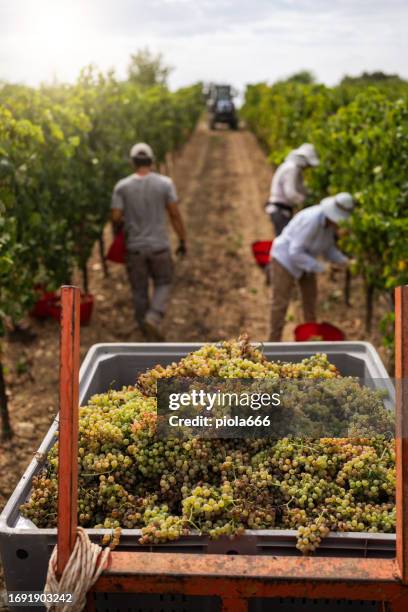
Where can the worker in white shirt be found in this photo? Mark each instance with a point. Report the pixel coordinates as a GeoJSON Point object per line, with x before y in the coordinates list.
{"type": "Point", "coordinates": [287, 188]}
{"type": "Point", "coordinates": [310, 234]}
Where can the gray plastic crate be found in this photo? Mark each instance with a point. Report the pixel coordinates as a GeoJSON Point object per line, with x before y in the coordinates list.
{"type": "Point", "coordinates": [25, 551]}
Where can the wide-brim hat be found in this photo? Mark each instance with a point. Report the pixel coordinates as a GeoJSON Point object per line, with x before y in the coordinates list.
{"type": "Point", "coordinates": [339, 207]}
{"type": "Point", "coordinates": [308, 152]}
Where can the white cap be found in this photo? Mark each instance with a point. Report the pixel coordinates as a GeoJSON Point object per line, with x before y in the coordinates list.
{"type": "Point", "coordinates": [339, 207]}
{"type": "Point", "coordinates": [308, 151]}
{"type": "Point", "coordinates": [141, 149]}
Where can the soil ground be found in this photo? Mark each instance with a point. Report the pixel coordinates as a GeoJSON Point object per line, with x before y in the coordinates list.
{"type": "Point", "coordinates": [223, 180]}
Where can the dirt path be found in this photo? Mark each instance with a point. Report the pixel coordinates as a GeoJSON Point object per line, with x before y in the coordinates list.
{"type": "Point", "coordinates": [218, 291]}
{"type": "Point", "coordinates": [223, 179]}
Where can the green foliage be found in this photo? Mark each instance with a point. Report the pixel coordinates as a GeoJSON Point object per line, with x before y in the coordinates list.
{"type": "Point", "coordinates": [62, 149]}
{"type": "Point", "coordinates": [303, 76]}
{"type": "Point", "coordinates": [147, 70]}
{"type": "Point", "coordinates": [19, 141]}
{"type": "Point", "coordinates": [364, 150]}
{"type": "Point", "coordinates": [372, 78]}
{"type": "Point", "coordinates": [282, 116]}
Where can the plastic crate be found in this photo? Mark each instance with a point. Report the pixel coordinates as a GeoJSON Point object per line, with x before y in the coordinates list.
{"type": "Point", "coordinates": [25, 551]}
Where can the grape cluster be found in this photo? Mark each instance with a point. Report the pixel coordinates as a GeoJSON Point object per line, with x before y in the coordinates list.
{"type": "Point", "coordinates": [112, 539]}
{"type": "Point", "coordinates": [235, 359]}
{"type": "Point", "coordinates": [310, 536]}
{"type": "Point", "coordinates": [167, 488]}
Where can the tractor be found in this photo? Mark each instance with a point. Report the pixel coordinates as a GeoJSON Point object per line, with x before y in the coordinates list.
{"type": "Point", "coordinates": [221, 108]}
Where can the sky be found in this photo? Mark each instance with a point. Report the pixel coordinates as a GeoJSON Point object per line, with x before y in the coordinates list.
{"type": "Point", "coordinates": [236, 41]}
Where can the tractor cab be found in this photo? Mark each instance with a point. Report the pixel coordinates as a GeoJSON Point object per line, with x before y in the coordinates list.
{"type": "Point", "coordinates": [221, 107]}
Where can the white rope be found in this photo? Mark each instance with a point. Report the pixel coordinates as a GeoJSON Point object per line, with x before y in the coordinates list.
{"type": "Point", "coordinates": [85, 565]}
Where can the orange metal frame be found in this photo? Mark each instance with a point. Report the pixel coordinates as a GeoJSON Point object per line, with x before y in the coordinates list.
{"type": "Point", "coordinates": [235, 579]}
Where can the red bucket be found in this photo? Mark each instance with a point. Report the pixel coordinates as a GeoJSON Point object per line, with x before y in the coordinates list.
{"type": "Point", "coordinates": [86, 308]}
{"type": "Point", "coordinates": [41, 308]}
{"type": "Point", "coordinates": [318, 331]}
{"type": "Point", "coordinates": [117, 250]}
{"type": "Point", "coordinates": [261, 250]}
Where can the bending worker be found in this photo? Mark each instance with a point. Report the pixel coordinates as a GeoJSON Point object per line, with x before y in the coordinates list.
{"type": "Point", "coordinates": [287, 188]}
{"type": "Point", "coordinates": [141, 201]}
{"type": "Point", "coordinates": [310, 234]}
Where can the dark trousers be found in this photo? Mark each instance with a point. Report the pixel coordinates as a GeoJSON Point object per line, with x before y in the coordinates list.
{"type": "Point", "coordinates": [157, 267]}
{"type": "Point", "coordinates": [280, 218]}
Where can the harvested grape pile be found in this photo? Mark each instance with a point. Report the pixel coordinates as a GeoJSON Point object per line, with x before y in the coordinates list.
{"type": "Point", "coordinates": [168, 488]}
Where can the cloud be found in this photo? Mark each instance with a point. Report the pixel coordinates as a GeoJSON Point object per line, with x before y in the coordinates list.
{"type": "Point", "coordinates": [232, 40]}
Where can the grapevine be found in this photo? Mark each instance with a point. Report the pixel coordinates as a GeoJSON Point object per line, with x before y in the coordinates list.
{"type": "Point", "coordinates": [62, 149]}
{"type": "Point", "coordinates": [360, 131]}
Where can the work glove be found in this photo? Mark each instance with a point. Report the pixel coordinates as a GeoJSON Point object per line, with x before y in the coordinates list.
{"type": "Point", "coordinates": [181, 249]}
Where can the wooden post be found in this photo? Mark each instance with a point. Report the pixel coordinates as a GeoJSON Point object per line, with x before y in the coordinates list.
{"type": "Point", "coordinates": [401, 375]}
{"type": "Point", "coordinates": [6, 432]}
{"type": "Point", "coordinates": [68, 425]}
{"type": "Point", "coordinates": [347, 287]}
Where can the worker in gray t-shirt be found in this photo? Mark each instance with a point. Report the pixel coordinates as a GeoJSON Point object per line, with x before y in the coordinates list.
{"type": "Point", "coordinates": [141, 201]}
